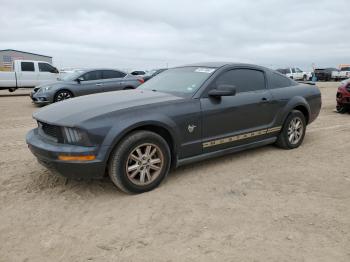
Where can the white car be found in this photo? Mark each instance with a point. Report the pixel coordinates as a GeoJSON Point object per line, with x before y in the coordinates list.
{"type": "Point", "coordinates": [28, 73]}
{"type": "Point", "coordinates": [345, 71]}
{"type": "Point", "coordinates": [296, 73]}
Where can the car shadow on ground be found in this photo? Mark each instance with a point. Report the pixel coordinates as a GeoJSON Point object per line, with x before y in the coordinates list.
{"type": "Point", "coordinates": [44, 180]}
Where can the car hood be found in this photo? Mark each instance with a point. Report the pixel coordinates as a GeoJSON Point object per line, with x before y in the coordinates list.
{"type": "Point", "coordinates": [54, 84]}
{"type": "Point", "coordinates": [77, 110]}
{"type": "Point", "coordinates": [44, 85]}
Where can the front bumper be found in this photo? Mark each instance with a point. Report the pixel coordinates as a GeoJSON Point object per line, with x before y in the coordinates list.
{"type": "Point", "coordinates": [40, 98]}
{"type": "Point", "coordinates": [343, 98]}
{"type": "Point", "coordinates": [47, 154]}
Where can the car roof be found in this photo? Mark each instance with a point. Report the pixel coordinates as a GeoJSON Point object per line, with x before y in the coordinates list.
{"type": "Point", "coordinates": [218, 64]}
{"type": "Point", "coordinates": [94, 69]}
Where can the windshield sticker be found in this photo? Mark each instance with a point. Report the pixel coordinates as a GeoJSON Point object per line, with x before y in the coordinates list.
{"type": "Point", "coordinates": [205, 70]}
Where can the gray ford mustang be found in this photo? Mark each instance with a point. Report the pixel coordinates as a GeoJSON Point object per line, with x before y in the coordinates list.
{"type": "Point", "coordinates": [183, 115]}
{"type": "Point", "coordinates": [84, 82]}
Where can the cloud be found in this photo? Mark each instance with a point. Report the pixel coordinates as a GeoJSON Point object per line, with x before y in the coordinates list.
{"type": "Point", "coordinates": [149, 34]}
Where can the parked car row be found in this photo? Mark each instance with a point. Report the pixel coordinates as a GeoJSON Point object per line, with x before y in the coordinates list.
{"type": "Point", "coordinates": [39, 74]}
{"type": "Point", "coordinates": [320, 74]}
{"type": "Point", "coordinates": [328, 74]}
{"type": "Point", "coordinates": [295, 73]}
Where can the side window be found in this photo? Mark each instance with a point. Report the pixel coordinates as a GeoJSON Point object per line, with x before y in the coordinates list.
{"type": "Point", "coordinates": [284, 71]}
{"type": "Point", "coordinates": [245, 80]}
{"type": "Point", "coordinates": [108, 74]}
{"type": "Point", "coordinates": [293, 70]}
{"type": "Point", "coordinates": [27, 66]}
{"type": "Point", "coordinates": [278, 81]}
{"type": "Point", "coordinates": [44, 67]}
{"type": "Point", "coordinates": [93, 75]}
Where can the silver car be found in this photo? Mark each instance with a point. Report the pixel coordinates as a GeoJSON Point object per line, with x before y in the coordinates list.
{"type": "Point", "coordinates": [84, 82]}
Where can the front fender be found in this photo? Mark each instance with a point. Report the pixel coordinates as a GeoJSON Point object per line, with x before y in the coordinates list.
{"type": "Point", "coordinates": [120, 130]}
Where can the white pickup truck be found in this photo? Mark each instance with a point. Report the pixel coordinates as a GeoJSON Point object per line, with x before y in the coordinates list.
{"type": "Point", "coordinates": [295, 73]}
{"type": "Point", "coordinates": [27, 73]}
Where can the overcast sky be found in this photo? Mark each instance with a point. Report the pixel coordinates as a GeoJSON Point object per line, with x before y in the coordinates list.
{"type": "Point", "coordinates": [150, 34]}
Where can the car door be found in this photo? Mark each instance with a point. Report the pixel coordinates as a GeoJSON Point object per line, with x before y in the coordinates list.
{"type": "Point", "coordinates": [27, 75]}
{"type": "Point", "coordinates": [47, 73]}
{"type": "Point", "coordinates": [237, 117]}
{"type": "Point", "coordinates": [90, 83]}
{"type": "Point", "coordinates": [112, 80]}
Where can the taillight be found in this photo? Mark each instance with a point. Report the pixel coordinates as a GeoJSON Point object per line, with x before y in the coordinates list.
{"type": "Point", "coordinates": [141, 80]}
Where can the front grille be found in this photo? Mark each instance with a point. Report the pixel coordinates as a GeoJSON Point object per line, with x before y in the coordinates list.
{"type": "Point", "coordinates": [50, 132]}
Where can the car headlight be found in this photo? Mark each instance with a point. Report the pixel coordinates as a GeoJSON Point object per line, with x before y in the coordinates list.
{"type": "Point", "coordinates": [75, 136]}
{"type": "Point", "coordinates": [46, 88]}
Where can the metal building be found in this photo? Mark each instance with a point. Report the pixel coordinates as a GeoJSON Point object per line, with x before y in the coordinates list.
{"type": "Point", "coordinates": [9, 55]}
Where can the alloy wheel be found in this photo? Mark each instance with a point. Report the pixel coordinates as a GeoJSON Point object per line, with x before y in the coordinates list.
{"type": "Point", "coordinates": [144, 164]}
{"type": "Point", "coordinates": [63, 96]}
{"type": "Point", "coordinates": [295, 130]}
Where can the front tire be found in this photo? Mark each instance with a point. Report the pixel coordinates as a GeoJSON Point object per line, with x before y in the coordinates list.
{"type": "Point", "coordinates": [140, 162]}
{"type": "Point", "coordinates": [62, 95]}
{"type": "Point", "coordinates": [341, 109]}
{"type": "Point", "coordinates": [293, 131]}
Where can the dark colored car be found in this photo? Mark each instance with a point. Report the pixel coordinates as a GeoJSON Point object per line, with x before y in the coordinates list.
{"type": "Point", "coordinates": [324, 74]}
{"type": "Point", "coordinates": [152, 73]}
{"type": "Point", "coordinates": [343, 97]}
{"type": "Point", "coordinates": [138, 73]}
{"type": "Point", "coordinates": [182, 115]}
{"type": "Point", "coordinates": [84, 82]}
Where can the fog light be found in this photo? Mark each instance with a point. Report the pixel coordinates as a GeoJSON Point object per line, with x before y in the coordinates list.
{"type": "Point", "coordinates": [76, 158]}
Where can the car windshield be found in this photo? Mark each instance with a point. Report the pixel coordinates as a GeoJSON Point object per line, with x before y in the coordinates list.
{"type": "Point", "coordinates": [151, 72]}
{"type": "Point", "coordinates": [345, 68]}
{"type": "Point", "coordinates": [183, 81]}
{"type": "Point", "coordinates": [71, 76]}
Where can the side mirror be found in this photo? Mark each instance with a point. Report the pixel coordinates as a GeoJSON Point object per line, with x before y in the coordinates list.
{"type": "Point", "coordinates": [55, 71]}
{"type": "Point", "coordinates": [80, 79]}
{"type": "Point", "coordinates": [223, 90]}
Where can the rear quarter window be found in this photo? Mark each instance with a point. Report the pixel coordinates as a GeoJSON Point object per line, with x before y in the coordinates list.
{"type": "Point", "coordinates": [245, 80]}
{"type": "Point", "coordinates": [277, 80]}
{"type": "Point", "coordinates": [109, 74]}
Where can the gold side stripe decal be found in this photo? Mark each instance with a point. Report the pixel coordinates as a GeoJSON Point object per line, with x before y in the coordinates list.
{"type": "Point", "coordinates": [241, 137]}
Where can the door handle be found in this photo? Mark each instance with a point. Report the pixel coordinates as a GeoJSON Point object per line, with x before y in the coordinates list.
{"type": "Point", "coordinates": [265, 100]}
{"type": "Point", "coordinates": [99, 84]}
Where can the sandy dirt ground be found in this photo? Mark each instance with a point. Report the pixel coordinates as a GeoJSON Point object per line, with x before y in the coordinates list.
{"type": "Point", "coordinates": [265, 204]}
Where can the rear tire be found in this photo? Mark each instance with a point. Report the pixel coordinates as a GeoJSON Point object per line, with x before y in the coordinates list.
{"type": "Point", "coordinates": [293, 131]}
{"type": "Point", "coordinates": [140, 162]}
